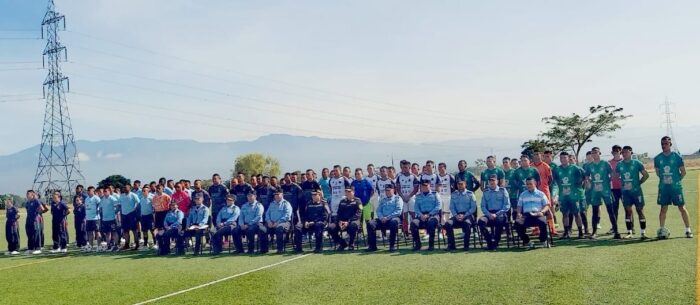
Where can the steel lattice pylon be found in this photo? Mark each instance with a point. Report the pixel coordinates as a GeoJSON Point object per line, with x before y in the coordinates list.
{"type": "Point", "coordinates": [58, 167]}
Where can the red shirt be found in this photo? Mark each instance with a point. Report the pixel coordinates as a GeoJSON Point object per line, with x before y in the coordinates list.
{"type": "Point", "coordinates": [615, 182]}
{"type": "Point", "coordinates": [183, 201]}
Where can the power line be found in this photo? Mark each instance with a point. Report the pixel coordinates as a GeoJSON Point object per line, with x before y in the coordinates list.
{"type": "Point", "coordinates": [410, 127]}
{"type": "Point", "coordinates": [367, 102]}
{"type": "Point", "coordinates": [377, 106]}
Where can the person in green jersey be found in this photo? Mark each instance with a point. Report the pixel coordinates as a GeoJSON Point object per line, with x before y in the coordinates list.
{"type": "Point", "coordinates": [508, 170]}
{"type": "Point", "coordinates": [569, 179]}
{"type": "Point", "coordinates": [598, 175]}
{"type": "Point", "coordinates": [491, 169]}
{"type": "Point", "coordinates": [553, 189]}
{"type": "Point", "coordinates": [670, 168]}
{"type": "Point", "coordinates": [520, 175]}
{"type": "Point", "coordinates": [630, 171]}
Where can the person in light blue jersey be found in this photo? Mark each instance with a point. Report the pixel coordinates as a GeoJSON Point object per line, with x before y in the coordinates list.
{"type": "Point", "coordinates": [92, 216]}
{"type": "Point", "coordinates": [108, 216]}
{"type": "Point", "coordinates": [147, 216]}
{"type": "Point", "coordinates": [129, 203]}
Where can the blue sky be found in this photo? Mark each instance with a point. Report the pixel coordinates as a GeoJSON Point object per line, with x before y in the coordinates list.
{"type": "Point", "coordinates": [407, 71]}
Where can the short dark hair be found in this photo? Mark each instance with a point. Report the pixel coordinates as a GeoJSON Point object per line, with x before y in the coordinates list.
{"type": "Point", "coordinates": [563, 153]}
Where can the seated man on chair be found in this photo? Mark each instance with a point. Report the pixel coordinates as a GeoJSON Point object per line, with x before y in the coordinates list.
{"type": "Point", "coordinates": [197, 223]}
{"type": "Point", "coordinates": [348, 219]}
{"type": "Point", "coordinates": [278, 218]}
{"type": "Point", "coordinates": [251, 224]}
{"type": "Point", "coordinates": [532, 208]}
{"type": "Point", "coordinates": [427, 211]}
{"type": "Point", "coordinates": [388, 218]}
{"type": "Point", "coordinates": [172, 225]}
{"type": "Point", "coordinates": [225, 223]}
{"type": "Point", "coordinates": [495, 204]}
{"type": "Point", "coordinates": [462, 206]}
{"type": "Point", "coordinates": [313, 219]}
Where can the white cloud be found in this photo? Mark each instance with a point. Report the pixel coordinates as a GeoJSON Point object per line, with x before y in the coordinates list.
{"type": "Point", "coordinates": [83, 157]}
{"type": "Point", "coordinates": [112, 156]}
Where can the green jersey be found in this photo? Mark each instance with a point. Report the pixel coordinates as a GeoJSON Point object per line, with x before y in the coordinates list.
{"type": "Point", "coordinates": [553, 190]}
{"type": "Point", "coordinates": [668, 168]}
{"type": "Point", "coordinates": [598, 174]}
{"type": "Point", "coordinates": [569, 178]}
{"type": "Point", "coordinates": [507, 175]}
{"type": "Point", "coordinates": [519, 177]}
{"type": "Point", "coordinates": [629, 172]}
{"type": "Point", "coordinates": [491, 171]}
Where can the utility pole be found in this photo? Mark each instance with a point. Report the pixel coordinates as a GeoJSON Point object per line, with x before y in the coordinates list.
{"type": "Point", "coordinates": [668, 121]}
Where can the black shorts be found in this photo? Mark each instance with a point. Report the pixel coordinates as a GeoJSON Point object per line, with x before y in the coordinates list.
{"type": "Point", "coordinates": [108, 226]}
{"type": "Point", "coordinates": [92, 225]}
{"type": "Point", "coordinates": [146, 222]}
{"type": "Point", "coordinates": [129, 221]}
{"type": "Point", "coordinates": [160, 219]}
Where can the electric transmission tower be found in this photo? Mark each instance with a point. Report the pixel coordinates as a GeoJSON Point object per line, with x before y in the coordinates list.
{"type": "Point", "coordinates": [668, 121]}
{"type": "Point", "coordinates": [58, 168]}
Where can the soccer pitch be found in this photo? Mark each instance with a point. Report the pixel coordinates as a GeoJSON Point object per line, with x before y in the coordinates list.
{"type": "Point", "coordinates": [602, 271]}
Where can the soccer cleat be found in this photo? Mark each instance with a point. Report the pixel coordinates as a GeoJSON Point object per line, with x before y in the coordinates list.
{"type": "Point", "coordinates": [14, 253]}
{"type": "Point", "coordinates": [36, 252]}
{"type": "Point", "coordinates": [689, 234]}
{"type": "Point", "coordinates": [644, 236]}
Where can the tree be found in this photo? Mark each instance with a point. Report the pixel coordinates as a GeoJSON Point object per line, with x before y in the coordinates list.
{"type": "Point", "coordinates": [574, 131]}
{"type": "Point", "coordinates": [256, 163]}
{"type": "Point", "coordinates": [17, 200]}
{"type": "Point", "coordinates": [542, 145]}
{"type": "Point", "coordinates": [116, 181]}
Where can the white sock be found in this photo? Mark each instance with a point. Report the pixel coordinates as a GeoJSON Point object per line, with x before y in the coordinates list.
{"type": "Point", "coordinates": [687, 229]}
{"type": "Point", "coordinates": [644, 231]}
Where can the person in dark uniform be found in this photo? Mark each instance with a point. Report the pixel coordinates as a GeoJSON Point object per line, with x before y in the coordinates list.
{"type": "Point", "coordinates": [314, 219]}
{"type": "Point", "coordinates": [347, 219]}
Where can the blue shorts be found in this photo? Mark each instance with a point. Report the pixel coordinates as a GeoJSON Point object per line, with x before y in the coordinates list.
{"type": "Point", "coordinates": [129, 221]}
{"type": "Point", "coordinates": [92, 225]}
{"type": "Point", "coordinates": [146, 222]}
{"type": "Point", "coordinates": [108, 226]}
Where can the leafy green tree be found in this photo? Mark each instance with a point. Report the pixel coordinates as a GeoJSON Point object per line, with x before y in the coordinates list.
{"type": "Point", "coordinates": [116, 181]}
{"type": "Point", "coordinates": [256, 163]}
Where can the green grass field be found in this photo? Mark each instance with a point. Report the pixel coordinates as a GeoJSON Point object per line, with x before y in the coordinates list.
{"type": "Point", "coordinates": [603, 271]}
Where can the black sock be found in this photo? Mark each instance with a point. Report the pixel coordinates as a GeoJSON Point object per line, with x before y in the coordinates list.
{"type": "Point", "coordinates": [628, 224]}
{"type": "Point", "coordinates": [643, 223]}
{"type": "Point", "coordinates": [584, 221]}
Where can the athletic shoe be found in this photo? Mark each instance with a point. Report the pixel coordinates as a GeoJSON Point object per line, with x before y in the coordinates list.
{"type": "Point", "coordinates": [14, 253]}
{"type": "Point", "coordinates": [617, 236]}
{"type": "Point", "coordinates": [644, 236]}
{"type": "Point", "coordinates": [531, 245]}
{"type": "Point", "coordinates": [629, 236]}
{"type": "Point", "coordinates": [155, 247]}
{"type": "Point", "coordinates": [689, 234]}
{"type": "Point", "coordinates": [594, 236]}
{"type": "Point", "coordinates": [546, 244]}
{"type": "Point", "coordinates": [55, 251]}
{"type": "Point", "coordinates": [63, 250]}
{"type": "Point", "coordinates": [141, 241]}
{"type": "Point", "coordinates": [36, 252]}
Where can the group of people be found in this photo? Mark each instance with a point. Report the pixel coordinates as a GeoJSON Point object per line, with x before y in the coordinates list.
{"type": "Point", "coordinates": [524, 192]}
